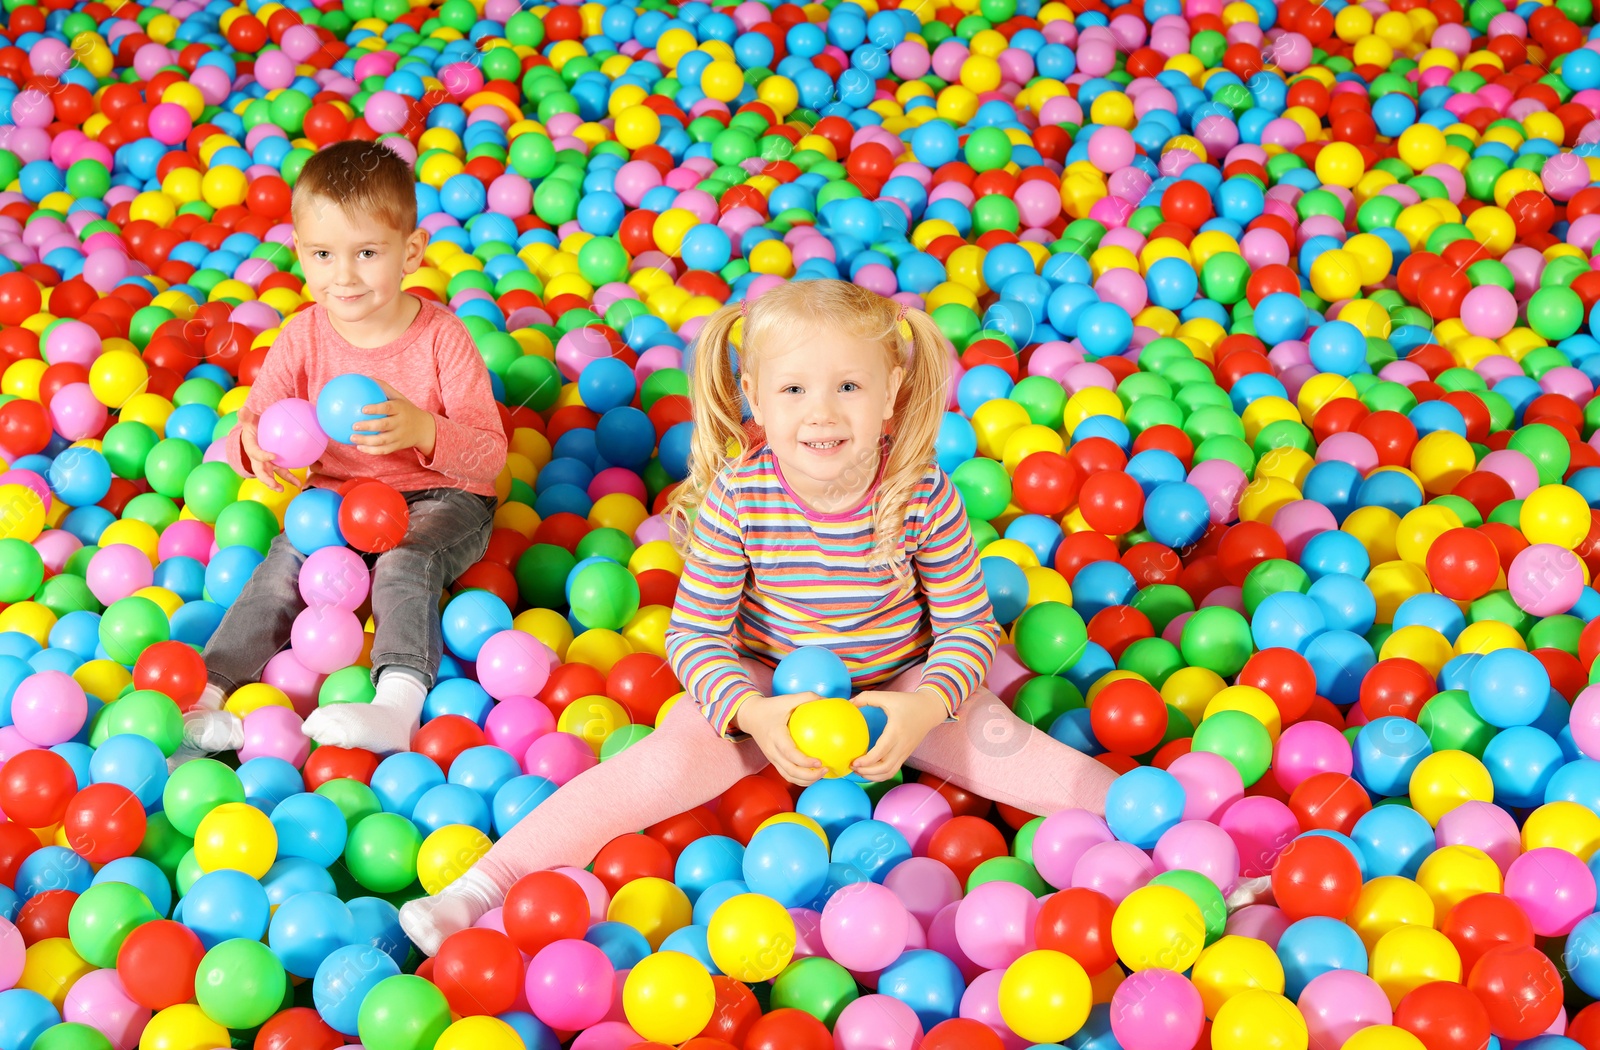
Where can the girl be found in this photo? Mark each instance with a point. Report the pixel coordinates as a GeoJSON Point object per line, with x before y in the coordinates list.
{"type": "Point", "coordinates": [823, 522]}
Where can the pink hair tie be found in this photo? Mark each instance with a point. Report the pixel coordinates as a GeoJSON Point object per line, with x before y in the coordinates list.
{"type": "Point", "coordinates": [902, 315]}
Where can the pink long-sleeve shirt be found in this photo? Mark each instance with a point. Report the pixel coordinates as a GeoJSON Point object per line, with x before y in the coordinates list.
{"type": "Point", "coordinates": [433, 363]}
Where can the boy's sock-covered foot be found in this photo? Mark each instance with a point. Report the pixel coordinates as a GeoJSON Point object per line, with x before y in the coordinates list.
{"type": "Point", "coordinates": [207, 729]}
{"type": "Point", "coordinates": [383, 726]}
{"type": "Point", "coordinates": [429, 920]}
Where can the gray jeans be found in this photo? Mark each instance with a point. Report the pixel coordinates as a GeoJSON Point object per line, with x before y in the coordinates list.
{"type": "Point", "coordinates": [449, 531]}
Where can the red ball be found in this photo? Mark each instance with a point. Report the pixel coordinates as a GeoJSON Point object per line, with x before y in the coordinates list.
{"type": "Point", "coordinates": [1286, 677]}
{"type": "Point", "coordinates": [788, 1029]}
{"type": "Point", "coordinates": [629, 857]}
{"type": "Point", "coordinates": [479, 971]}
{"type": "Point", "coordinates": [1484, 921]}
{"type": "Point", "coordinates": [962, 1033]}
{"type": "Point", "coordinates": [641, 683]}
{"type": "Point", "coordinates": [569, 682]}
{"type": "Point", "coordinates": [1463, 564]}
{"type": "Point", "coordinates": [46, 915]}
{"type": "Point", "coordinates": [157, 963]}
{"type": "Point", "coordinates": [677, 831]}
{"type": "Point", "coordinates": [373, 517]}
{"type": "Point", "coordinates": [104, 822]}
{"type": "Point", "coordinates": [338, 763]}
{"type": "Point", "coordinates": [1329, 802]}
{"type": "Point", "coordinates": [24, 427]}
{"type": "Point", "coordinates": [1046, 483]}
{"type": "Point", "coordinates": [1584, 1027]}
{"type": "Point", "coordinates": [962, 843]}
{"type": "Point", "coordinates": [1519, 987]}
{"type": "Point", "coordinates": [17, 843]}
{"type": "Point", "coordinates": [1111, 503]}
{"type": "Point", "coordinates": [1398, 687]}
{"type": "Point", "coordinates": [543, 908]}
{"type": "Point", "coordinates": [298, 1028]}
{"type": "Point", "coordinates": [1246, 545]}
{"type": "Point", "coordinates": [174, 670]}
{"type": "Point", "coordinates": [445, 737]}
{"type": "Point", "coordinates": [20, 298]}
{"type": "Point", "coordinates": [751, 801]}
{"type": "Point", "coordinates": [35, 788]}
{"type": "Point", "coordinates": [1445, 1016]}
{"type": "Point", "coordinates": [1128, 717]}
{"type": "Point", "coordinates": [1316, 875]}
{"type": "Point", "coordinates": [1077, 922]}
{"type": "Point", "coordinates": [1189, 203]}
{"type": "Point", "coordinates": [734, 1015]}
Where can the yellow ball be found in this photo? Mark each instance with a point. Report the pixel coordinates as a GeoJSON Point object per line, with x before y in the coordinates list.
{"type": "Point", "coordinates": [236, 836]}
{"type": "Point", "coordinates": [593, 718]}
{"type": "Point", "coordinates": [1451, 874]}
{"type": "Point", "coordinates": [833, 731]}
{"type": "Point", "coordinates": [117, 375]}
{"type": "Point", "coordinates": [51, 967]}
{"type": "Point", "coordinates": [1335, 275]}
{"type": "Point", "coordinates": [21, 513]}
{"type": "Point", "coordinates": [751, 938]}
{"type": "Point", "coordinates": [1563, 825]}
{"type": "Point", "coordinates": [479, 1032]}
{"type": "Point", "coordinates": [1441, 460]}
{"type": "Point", "coordinates": [638, 126]}
{"type": "Point", "coordinates": [183, 1027]}
{"type": "Point", "coordinates": [1555, 514]}
{"type": "Point", "coordinates": [654, 907]}
{"type": "Point", "coordinates": [1045, 996]}
{"type": "Point", "coordinates": [1410, 956]}
{"type": "Point", "coordinates": [1446, 779]}
{"type": "Point", "coordinates": [1340, 163]}
{"type": "Point", "coordinates": [1421, 145]}
{"type": "Point", "coordinates": [668, 997]}
{"type": "Point", "coordinates": [722, 80]}
{"type": "Point", "coordinates": [248, 699]}
{"type": "Point", "coordinates": [1387, 903]}
{"type": "Point", "coordinates": [447, 853]}
{"type": "Point", "coordinates": [1258, 1020]}
{"type": "Point", "coordinates": [1158, 926]}
{"type": "Point", "coordinates": [1383, 1036]}
{"type": "Point", "coordinates": [1234, 965]}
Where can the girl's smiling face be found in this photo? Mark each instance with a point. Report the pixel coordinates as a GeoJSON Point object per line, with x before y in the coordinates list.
{"type": "Point", "coordinates": [824, 404]}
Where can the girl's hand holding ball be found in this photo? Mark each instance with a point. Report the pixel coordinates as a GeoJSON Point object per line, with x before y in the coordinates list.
{"type": "Point", "coordinates": [833, 732]}
{"type": "Point", "coordinates": [766, 719]}
{"type": "Point", "coordinates": [911, 716]}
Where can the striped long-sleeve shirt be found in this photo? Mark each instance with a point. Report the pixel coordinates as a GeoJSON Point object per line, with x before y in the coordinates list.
{"type": "Point", "coordinates": [766, 575]}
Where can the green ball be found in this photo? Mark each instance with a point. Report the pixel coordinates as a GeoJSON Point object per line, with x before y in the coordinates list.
{"type": "Point", "coordinates": [606, 543]}
{"type": "Point", "coordinates": [532, 381]}
{"type": "Point", "coordinates": [88, 178]}
{"type": "Point", "coordinates": [163, 845]}
{"type": "Point", "coordinates": [1544, 445]}
{"type": "Point", "coordinates": [556, 201]}
{"type": "Point", "coordinates": [1239, 738]}
{"type": "Point", "coordinates": [1050, 638]}
{"type": "Point", "coordinates": [604, 595]}
{"type": "Point", "coordinates": [130, 626]}
{"type": "Point", "coordinates": [240, 983]}
{"type": "Point", "coordinates": [404, 1012]}
{"type": "Point", "coordinates": [1218, 639]}
{"type": "Point", "coordinates": [195, 789]}
{"type": "Point", "coordinates": [246, 523]}
{"type": "Point", "coordinates": [21, 570]}
{"type": "Point", "coordinates": [1555, 313]}
{"type": "Point", "coordinates": [1223, 277]}
{"type": "Point", "coordinates": [988, 149]}
{"type": "Point", "coordinates": [382, 852]}
{"type": "Point", "coordinates": [814, 985]}
{"type": "Point", "coordinates": [348, 685]}
{"type": "Point", "coordinates": [168, 465]}
{"type": "Point", "coordinates": [69, 592]}
{"type": "Point", "coordinates": [71, 1036]}
{"type": "Point", "coordinates": [1008, 869]}
{"type": "Point", "coordinates": [1453, 725]}
{"type": "Point", "coordinates": [622, 739]}
{"type": "Point", "coordinates": [143, 712]}
{"type": "Point", "coordinates": [102, 917]}
{"type": "Point", "coordinates": [1044, 699]}
{"type": "Point", "coordinates": [209, 488]}
{"type": "Point", "coordinates": [1270, 577]}
{"type": "Point", "coordinates": [603, 260]}
{"type": "Point", "coordinates": [355, 800]}
{"type": "Point", "coordinates": [1022, 845]}
{"type": "Point", "coordinates": [1204, 893]}
{"type": "Point", "coordinates": [152, 508]}
{"type": "Point", "coordinates": [984, 486]}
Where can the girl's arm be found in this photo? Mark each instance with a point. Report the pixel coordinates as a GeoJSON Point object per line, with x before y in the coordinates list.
{"type": "Point", "coordinates": [964, 627]}
{"type": "Point", "coordinates": [699, 648]}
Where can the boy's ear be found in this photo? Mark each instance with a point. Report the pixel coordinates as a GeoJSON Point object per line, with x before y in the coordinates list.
{"type": "Point", "coordinates": [416, 244]}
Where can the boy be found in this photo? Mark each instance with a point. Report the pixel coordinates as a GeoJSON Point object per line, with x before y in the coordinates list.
{"type": "Point", "coordinates": [438, 439]}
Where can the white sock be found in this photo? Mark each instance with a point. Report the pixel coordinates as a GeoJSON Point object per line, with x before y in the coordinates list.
{"type": "Point", "coordinates": [384, 726]}
{"type": "Point", "coordinates": [211, 699]}
{"type": "Point", "coordinates": [1250, 891]}
{"type": "Point", "coordinates": [429, 920]}
{"type": "Point", "coordinates": [207, 728]}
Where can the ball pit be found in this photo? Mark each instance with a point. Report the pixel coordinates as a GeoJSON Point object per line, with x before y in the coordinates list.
{"type": "Point", "coordinates": [1273, 412]}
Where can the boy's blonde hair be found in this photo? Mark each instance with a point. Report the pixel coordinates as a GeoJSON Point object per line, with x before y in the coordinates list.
{"type": "Point", "coordinates": [720, 437]}
{"type": "Point", "coordinates": [363, 178]}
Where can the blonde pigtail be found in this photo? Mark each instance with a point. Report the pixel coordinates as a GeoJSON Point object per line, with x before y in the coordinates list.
{"type": "Point", "coordinates": [919, 412]}
{"type": "Point", "coordinates": [718, 420]}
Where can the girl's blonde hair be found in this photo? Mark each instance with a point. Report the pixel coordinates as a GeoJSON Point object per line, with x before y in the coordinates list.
{"type": "Point", "coordinates": [720, 439]}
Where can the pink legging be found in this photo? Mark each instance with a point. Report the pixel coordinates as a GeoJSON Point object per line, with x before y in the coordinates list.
{"type": "Point", "coordinates": [986, 750]}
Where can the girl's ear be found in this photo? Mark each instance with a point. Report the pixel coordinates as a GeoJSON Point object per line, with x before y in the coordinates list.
{"type": "Point", "coordinates": [748, 387]}
{"type": "Point", "coordinates": [896, 378]}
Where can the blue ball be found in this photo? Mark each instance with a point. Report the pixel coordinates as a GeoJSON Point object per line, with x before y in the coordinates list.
{"type": "Point", "coordinates": [714, 897]}
{"type": "Point", "coordinates": [80, 477]}
{"type": "Point", "coordinates": [623, 945]}
{"type": "Point", "coordinates": [312, 521]}
{"type": "Point", "coordinates": [1176, 514]}
{"type": "Point", "coordinates": [707, 861]}
{"type": "Point", "coordinates": [52, 868]}
{"type": "Point", "coordinates": [1280, 317]}
{"type": "Point", "coordinates": [291, 875]}
{"type": "Point", "coordinates": [377, 922]}
{"type": "Point", "coordinates": [1142, 804]}
{"type": "Point", "coordinates": [144, 876]}
{"type": "Point", "coordinates": [516, 798]}
{"type": "Point", "coordinates": [306, 929]}
{"type": "Point", "coordinates": [451, 804]}
{"type": "Point", "coordinates": [228, 572]}
{"type": "Point", "coordinates": [1393, 840]}
{"type": "Point", "coordinates": [812, 669]}
{"type": "Point", "coordinates": [1313, 946]}
{"type": "Point", "coordinates": [1509, 687]}
{"type": "Point", "coordinates": [134, 762]}
{"type": "Point", "coordinates": [1582, 955]}
{"type": "Point", "coordinates": [1173, 284]}
{"type": "Point", "coordinates": [1387, 751]}
{"type": "Point", "coordinates": [1521, 761]}
{"type": "Point", "coordinates": [343, 981]}
{"type": "Point", "coordinates": [222, 905]}
{"type": "Point", "coordinates": [472, 618]}
{"type": "Point", "coordinates": [871, 846]}
{"type": "Point", "coordinates": [786, 862]}
{"type": "Point", "coordinates": [835, 804]}
{"type": "Point", "coordinates": [24, 1014]}
{"type": "Point", "coordinates": [342, 402]}
{"type": "Point", "coordinates": [402, 779]}
{"type": "Point", "coordinates": [605, 384]}
{"type": "Point", "coordinates": [1334, 552]}
{"type": "Point", "coordinates": [1339, 347]}
{"type": "Point", "coordinates": [311, 827]}
{"type": "Point", "coordinates": [1007, 587]}
{"type": "Point", "coordinates": [928, 982]}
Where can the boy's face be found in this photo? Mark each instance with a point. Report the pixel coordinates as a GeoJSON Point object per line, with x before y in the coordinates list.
{"type": "Point", "coordinates": [354, 263]}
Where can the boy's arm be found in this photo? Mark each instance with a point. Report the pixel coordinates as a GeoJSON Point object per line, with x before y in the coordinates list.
{"type": "Point", "coordinates": [965, 632]}
{"type": "Point", "coordinates": [469, 442]}
{"type": "Point", "coordinates": [698, 646]}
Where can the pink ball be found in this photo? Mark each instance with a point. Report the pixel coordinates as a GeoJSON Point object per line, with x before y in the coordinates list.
{"type": "Point", "coordinates": [326, 638]}
{"type": "Point", "coordinates": [115, 572]}
{"type": "Point", "coordinates": [877, 1022]}
{"type": "Point", "coordinates": [569, 984]}
{"type": "Point", "coordinates": [1553, 887]}
{"type": "Point", "coordinates": [289, 430]}
{"type": "Point", "coordinates": [1339, 1003]}
{"type": "Point", "coordinates": [1489, 311]}
{"type": "Point", "coordinates": [1517, 470]}
{"type": "Point", "coordinates": [807, 933]}
{"type": "Point", "coordinates": [513, 663]}
{"type": "Point", "coordinates": [558, 757]}
{"type": "Point", "coordinates": [170, 123]}
{"type": "Point", "coordinates": [981, 1003]}
{"type": "Point", "coordinates": [1261, 827]}
{"type": "Point", "coordinates": [511, 194]}
{"type": "Point", "coordinates": [56, 546]}
{"type": "Point", "coordinates": [12, 949]}
{"type": "Point", "coordinates": [335, 577]}
{"type": "Point", "coordinates": [1210, 785]}
{"type": "Point", "coordinates": [298, 682]}
{"type": "Point", "coordinates": [48, 708]}
{"type": "Point", "coordinates": [274, 732]}
{"type": "Point", "coordinates": [516, 722]}
{"type": "Point", "coordinates": [1115, 869]}
{"type": "Point", "coordinates": [1037, 203]}
{"type": "Point", "coordinates": [1308, 748]}
{"type": "Point", "coordinates": [865, 926]}
{"type": "Point", "coordinates": [1586, 721]}
{"type": "Point", "coordinates": [1156, 1010]}
{"type": "Point", "coordinates": [1302, 519]}
{"type": "Point", "coordinates": [1198, 845]}
{"type": "Point", "coordinates": [186, 538]}
{"type": "Point", "coordinates": [1545, 580]}
{"type": "Point", "coordinates": [994, 924]}
{"type": "Point", "coordinates": [916, 811]}
{"type": "Point", "coordinates": [1263, 922]}
{"type": "Point", "coordinates": [72, 342]}
{"type": "Point", "coordinates": [593, 888]}
{"type": "Point", "coordinates": [942, 939]}
{"type": "Point", "coordinates": [1062, 839]}
{"type": "Point", "coordinates": [1111, 148]}
{"type": "Point", "coordinates": [925, 886]}
{"type": "Point", "coordinates": [99, 999]}
{"type": "Point", "coordinates": [1484, 826]}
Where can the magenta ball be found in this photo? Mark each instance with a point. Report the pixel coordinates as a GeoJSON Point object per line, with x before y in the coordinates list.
{"type": "Point", "coordinates": [1261, 827]}
{"type": "Point", "coordinates": [516, 722]}
{"type": "Point", "coordinates": [1308, 748]}
{"type": "Point", "coordinates": [326, 638]}
{"type": "Point", "coordinates": [289, 430]}
{"type": "Point", "coordinates": [1210, 784]}
{"type": "Point", "coordinates": [1553, 887]}
{"type": "Point", "coordinates": [558, 757]}
{"type": "Point", "coordinates": [1156, 1010]}
{"type": "Point", "coordinates": [48, 708]}
{"type": "Point", "coordinates": [513, 663]}
{"type": "Point", "coordinates": [569, 984]}
{"type": "Point", "coordinates": [916, 811]}
{"type": "Point", "coordinates": [274, 732]}
{"type": "Point", "coordinates": [335, 577]}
